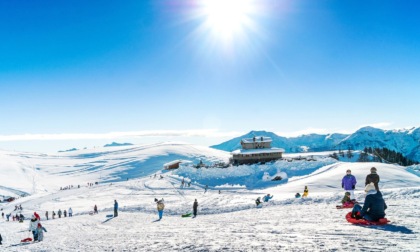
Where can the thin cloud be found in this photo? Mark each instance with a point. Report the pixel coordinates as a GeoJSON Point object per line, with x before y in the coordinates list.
{"type": "Point", "coordinates": [115, 135]}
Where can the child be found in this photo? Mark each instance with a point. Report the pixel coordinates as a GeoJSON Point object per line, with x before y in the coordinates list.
{"type": "Point", "coordinates": [297, 195]}
{"type": "Point", "coordinates": [258, 201]}
{"type": "Point", "coordinates": [346, 201]}
{"type": "Point", "coordinates": [40, 230]}
{"type": "Point", "coordinates": [305, 192]}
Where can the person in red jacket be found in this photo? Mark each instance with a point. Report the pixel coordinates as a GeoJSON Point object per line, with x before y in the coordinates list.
{"type": "Point", "coordinates": [37, 216]}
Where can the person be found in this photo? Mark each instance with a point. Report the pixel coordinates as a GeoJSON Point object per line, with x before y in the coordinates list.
{"type": "Point", "coordinates": [2, 215]}
{"type": "Point", "coordinates": [70, 212]}
{"type": "Point", "coordinates": [95, 209]}
{"type": "Point", "coordinates": [348, 183]}
{"type": "Point", "coordinates": [46, 214]}
{"type": "Point", "coordinates": [8, 216]}
{"type": "Point", "coordinates": [346, 201]}
{"type": "Point", "coordinates": [59, 213]}
{"type": "Point", "coordinates": [65, 213]}
{"type": "Point", "coordinates": [297, 195]}
{"type": "Point", "coordinates": [115, 208]}
{"type": "Point", "coordinates": [37, 216]}
{"type": "Point", "coordinates": [220, 191]}
{"type": "Point", "coordinates": [205, 189]}
{"type": "Point", "coordinates": [195, 206]}
{"type": "Point", "coordinates": [1, 239]}
{"type": "Point", "coordinates": [258, 201]}
{"type": "Point", "coordinates": [189, 183]}
{"type": "Point", "coordinates": [40, 231]}
{"type": "Point", "coordinates": [373, 177]}
{"type": "Point", "coordinates": [160, 207]}
{"type": "Point", "coordinates": [33, 225]}
{"type": "Point", "coordinates": [374, 206]}
{"type": "Point", "coordinates": [267, 197]}
{"type": "Point", "coordinates": [305, 192]}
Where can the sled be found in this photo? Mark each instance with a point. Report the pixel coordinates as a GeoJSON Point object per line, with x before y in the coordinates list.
{"type": "Point", "coordinates": [109, 215]}
{"type": "Point", "coordinates": [348, 205]}
{"type": "Point", "coordinates": [186, 215]}
{"type": "Point", "coordinates": [382, 221]}
{"type": "Point", "coordinates": [26, 240]}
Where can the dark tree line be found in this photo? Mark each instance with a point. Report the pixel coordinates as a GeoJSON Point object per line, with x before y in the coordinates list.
{"type": "Point", "coordinates": [384, 155]}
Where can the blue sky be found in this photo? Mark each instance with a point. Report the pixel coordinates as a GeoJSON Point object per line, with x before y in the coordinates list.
{"type": "Point", "coordinates": [161, 68]}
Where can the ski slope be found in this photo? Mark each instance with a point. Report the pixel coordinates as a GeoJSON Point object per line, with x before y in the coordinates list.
{"type": "Point", "coordinates": [228, 221]}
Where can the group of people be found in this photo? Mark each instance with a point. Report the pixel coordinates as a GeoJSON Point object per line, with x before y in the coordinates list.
{"type": "Point", "coordinates": [184, 183]}
{"type": "Point", "coordinates": [59, 213]}
{"type": "Point", "coordinates": [374, 206]}
{"type": "Point", "coordinates": [304, 195]}
{"type": "Point", "coordinates": [266, 198]}
{"type": "Point", "coordinates": [68, 187]}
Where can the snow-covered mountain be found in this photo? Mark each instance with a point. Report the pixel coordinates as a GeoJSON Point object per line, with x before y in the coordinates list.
{"type": "Point", "coordinates": [406, 141]}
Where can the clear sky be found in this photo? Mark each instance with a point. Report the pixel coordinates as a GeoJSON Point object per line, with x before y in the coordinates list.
{"type": "Point", "coordinates": [203, 71]}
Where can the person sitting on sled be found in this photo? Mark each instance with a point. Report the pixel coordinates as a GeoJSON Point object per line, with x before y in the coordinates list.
{"type": "Point", "coordinates": [297, 195]}
{"type": "Point", "coordinates": [305, 192]}
{"type": "Point", "coordinates": [346, 201]}
{"type": "Point", "coordinates": [374, 206]}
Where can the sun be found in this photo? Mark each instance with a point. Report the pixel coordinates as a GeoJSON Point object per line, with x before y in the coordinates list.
{"type": "Point", "coordinates": [227, 18]}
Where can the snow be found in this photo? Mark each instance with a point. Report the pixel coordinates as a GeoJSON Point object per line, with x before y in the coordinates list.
{"type": "Point", "coordinates": [227, 221]}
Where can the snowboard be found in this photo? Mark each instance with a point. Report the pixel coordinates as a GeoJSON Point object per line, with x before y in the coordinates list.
{"type": "Point", "coordinates": [380, 222]}
{"type": "Point", "coordinates": [186, 215]}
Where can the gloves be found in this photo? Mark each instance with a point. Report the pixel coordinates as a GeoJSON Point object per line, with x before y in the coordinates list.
{"type": "Point", "coordinates": [353, 187]}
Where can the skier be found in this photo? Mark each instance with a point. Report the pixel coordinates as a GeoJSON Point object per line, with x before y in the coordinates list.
{"type": "Point", "coordinates": [348, 183]}
{"type": "Point", "coordinates": [46, 214]}
{"type": "Point", "coordinates": [70, 212]}
{"type": "Point", "coordinates": [195, 206]}
{"type": "Point", "coordinates": [65, 213]}
{"type": "Point", "coordinates": [95, 209]}
{"type": "Point", "coordinates": [305, 192]}
{"type": "Point", "coordinates": [33, 225]}
{"type": "Point", "coordinates": [373, 177]}
{"type": "Point", "coordinates": [40, 231]}
{"type": "Point", "coordinates": [267, 197]}
{"type": "Point", "coordinates": [160, 207]}
{"type": "Point", "coordinates": [258, 201]}
{"type": "Point", "coordinates": [59, 213]}
{"type": "Point", "coordinates": [115, 208]}
{"type": "Point", "coordinates": [374, 206]}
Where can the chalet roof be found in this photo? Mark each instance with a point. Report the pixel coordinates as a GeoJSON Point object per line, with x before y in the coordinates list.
{"type": "Point", "coordinates": [257, 151]}
{"type": "Point", "coordinates": [257, 139]}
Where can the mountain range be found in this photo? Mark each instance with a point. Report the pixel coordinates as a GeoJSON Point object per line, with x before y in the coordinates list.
{"type": "Point", "coordinates": [405, 141]}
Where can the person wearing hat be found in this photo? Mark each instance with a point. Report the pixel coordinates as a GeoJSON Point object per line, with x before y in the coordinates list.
{"type": "Point", "coordinates": [348, 183]}
{"type": "Point", "coordinates": [374, 206]}
{"type": "Point", "coordinates": [258, 201]}
{"type": "Point", "coordinates": [33, 225]}
{"type": "Point", "coordinates": [373, 177]}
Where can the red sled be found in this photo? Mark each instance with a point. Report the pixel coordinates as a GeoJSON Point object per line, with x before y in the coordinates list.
{"type": "Point", "coordinates": [382, 221]}
{"type": "Point", "coordinates": [26, 240]}
{"type": "Point", "coordinates": [346, 205]}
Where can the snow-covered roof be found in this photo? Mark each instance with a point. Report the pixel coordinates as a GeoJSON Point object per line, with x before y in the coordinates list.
{"type": "Point", "coordinates": [257, 151]}
{"type": "Point", "coordinates": [259, 139]}
{"type": "Point", "coordinates": [173, 162]}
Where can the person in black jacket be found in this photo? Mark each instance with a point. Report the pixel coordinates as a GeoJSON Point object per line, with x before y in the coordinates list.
{"type": "Point", "coordinates": [1, 239]}
{"type": "Point", "coordinates": [373, 177]}
{"type": "Point", "coordinates": [195, 206]}
{"type": "Point", "coordinates": [374, 206]}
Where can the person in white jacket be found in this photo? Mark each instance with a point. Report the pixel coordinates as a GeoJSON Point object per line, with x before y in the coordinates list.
{"type": "Point", "coordinates": [33, 225]}
{"type": "Point", "coordinates": [70, 212]}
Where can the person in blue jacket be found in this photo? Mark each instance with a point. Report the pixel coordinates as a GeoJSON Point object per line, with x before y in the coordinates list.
{"type": "Point", "coordinates": [374, 206]}
{"type": "Point", "coordinates": [115, 208]}
{"type": "Point", "coordinates": [348, 183]}
{"type": "Point", "coordinates": [267, 197]}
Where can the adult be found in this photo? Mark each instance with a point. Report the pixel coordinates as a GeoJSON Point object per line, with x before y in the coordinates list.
{"type": "Point", "coordinates": [374, 206]}
{"type": "Point", "coordinates": [115, 208]}
{"type": "Point", "coordinates": [59, 213]}
{"type": "Point", "coordinates": [46, 214]}
{"type": "Point", "coordinates": [53, 215]}
{"type": "Point", "coordinates": [65, 213]}
{"type": "Point", "coordinates": [33, 225]}
{"type": "Point", "coordinates": [70, 212]}
{"type": "Point", "coordinates": [1, 239]}
{"type": "Point", "coordinates": [373, 177]}
{"type": "Point", "coordinates": [348, 183]}
{"type": "Point", "coordinates": [160, 206]}
{"type": "Point", "coordinates": [195, 206]}
{"type": "Point", "coordinates": [305, 192]}
{"type": "Point", "coordinates": [267, 197]}
{"type": "Point", "coordinates": [95, 209]}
